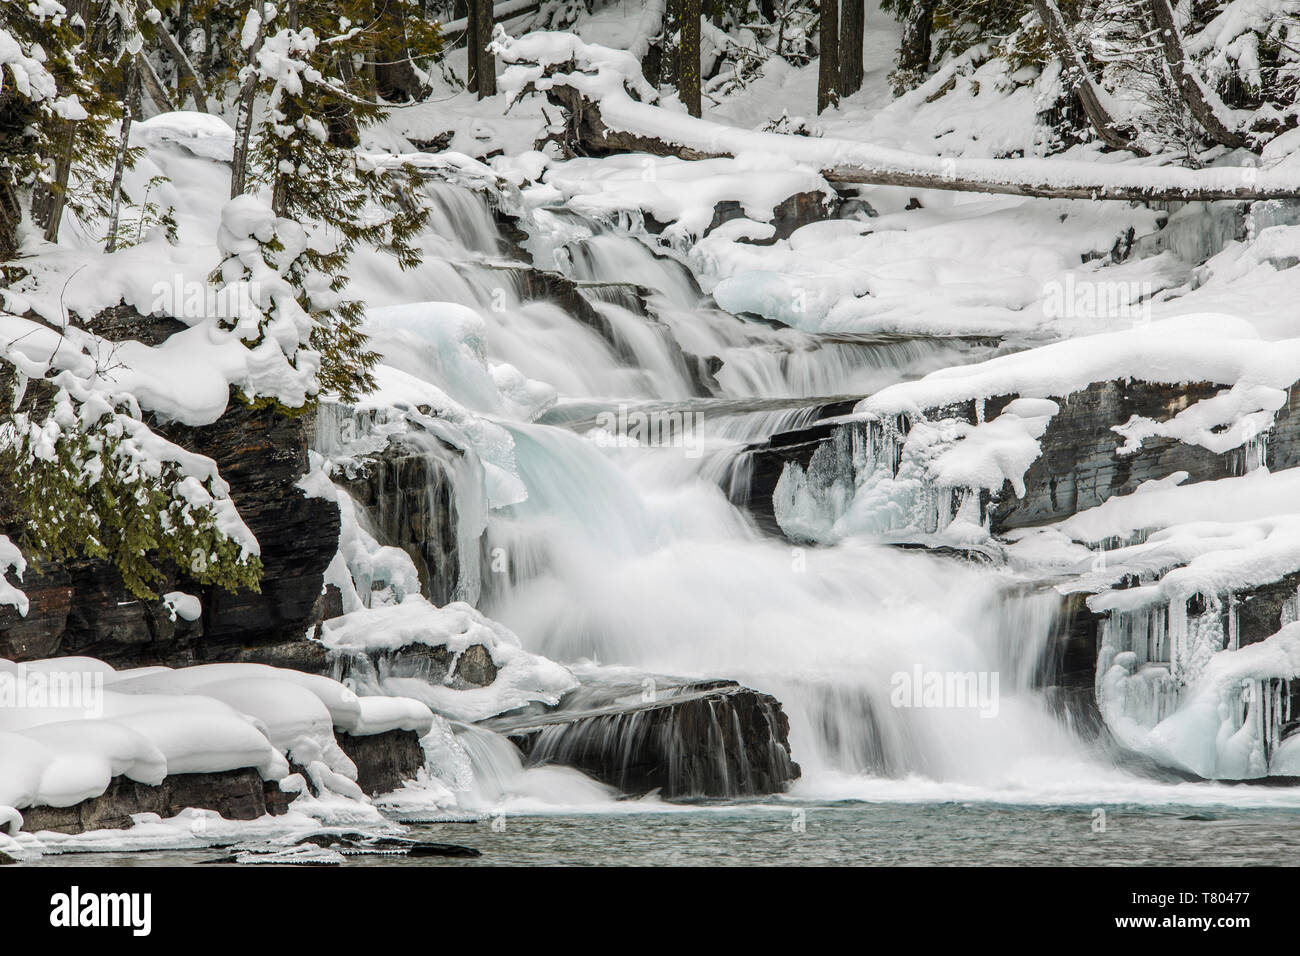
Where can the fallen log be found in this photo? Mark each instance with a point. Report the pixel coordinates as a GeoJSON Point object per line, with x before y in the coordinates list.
{"type": "Point", "coordinates": [590, 135]}
{"type": "Point", "coordinates": [1045, 189]}
{"type": "Point", "coordinates": [501, 12]}
{"type": "Point", "coordinates": [611, 109]}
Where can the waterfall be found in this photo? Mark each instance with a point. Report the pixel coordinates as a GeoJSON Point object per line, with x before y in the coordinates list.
{"type": "Point", "coordinates": [627, 552]}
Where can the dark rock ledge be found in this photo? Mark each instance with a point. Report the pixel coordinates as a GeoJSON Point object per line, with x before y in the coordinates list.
{"type": "Point", "coordinates": [384, 761]}
{"type": "Point", "coordinates": [683, 739]}
{"type": "Point", "coordinates": [235, 794]}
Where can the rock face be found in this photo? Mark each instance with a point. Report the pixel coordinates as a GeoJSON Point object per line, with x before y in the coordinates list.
{"type": "Point", "coordinates": [1078, 468]}
{"type": "Point", "coordinates": [1067, 673]}
{"type": "Point", "coordinates": [235, 794]}
{"type": "Point", "coordinates": [706, 739]}
{"type": "Point", "coordinates": [433, 664]}
{"type": "Point", "coordinates": [82, 607]}
{"type": "Point", "coordinates": [767, 461]}
{"type": "Point", "coordinates": [384, 761]}
{"type": "Point", "coordinates": [409, 492]}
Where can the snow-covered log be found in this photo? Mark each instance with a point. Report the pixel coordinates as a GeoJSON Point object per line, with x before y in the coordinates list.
{"type": "Point", "coordinates": [612, 109]}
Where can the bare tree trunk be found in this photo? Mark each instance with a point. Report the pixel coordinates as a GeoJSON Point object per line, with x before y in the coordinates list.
{"type": "Point", "coordinates": [1076, 72]}
{"type": "Point", "coordinates": [151, 82]}
{"type": "Point", "coordinates": [48, 200]}
{"type": "Point", "coordinates": [914, 48]}
{"type": "Point", "coordinates": [184, 66]}
{"type": "Point", "coordinates": [853, 17]}
{"type": "Point", "coordinates": [182, 24]}
{"type": "Point", "coordinates": [471, 44]}
{"type": "Point", "coordinates": [244, 119]}
{"type": "Point", "coordinates": [119, 166]}
{"type": "Point", "coordinates": [670, 61]}
{"type": "Point", "coordinates": [1193, 94]}
{"type": "Point", "coordinates": [486, 66]}
{"type": "Point", "coordinates": [828, 66]}
{"type": "Point", "coordinates": [341, 122]}
{"type": "Point", "coordinates": [689, 50]}
{"type": "Point", "coordinates": [395, 74]}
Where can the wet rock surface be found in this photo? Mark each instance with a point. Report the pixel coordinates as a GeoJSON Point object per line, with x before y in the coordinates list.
{"type": "Point", "coordinates": [682, 739]}
{"type": "Point", "coordinates": [384, 761]}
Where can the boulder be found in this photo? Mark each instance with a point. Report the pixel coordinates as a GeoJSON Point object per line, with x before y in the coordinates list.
{"type": "Point", "coordinates": [384, 761]}
{"type": "Point", "coordinates": [682, 739]}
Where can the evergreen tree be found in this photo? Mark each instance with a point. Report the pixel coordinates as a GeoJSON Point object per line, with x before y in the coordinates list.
{"type": "Point", "coordinates": [87, 479]}
{"type": "Point", "coordinates": [340, 197]}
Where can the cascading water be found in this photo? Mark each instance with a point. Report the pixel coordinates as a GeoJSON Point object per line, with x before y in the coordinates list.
{"type": "Point", "coordinates": [629, 553]}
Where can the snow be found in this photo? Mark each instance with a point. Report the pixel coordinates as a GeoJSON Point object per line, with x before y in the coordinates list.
{"type": "Point", "coordinates": [58, 747]}
{"type": "Point", "coordinates": [184, 606]}
{"type": "Point", "coordinates": [680, 193]}
{"type": "Point", "coordinates": [612, 78]}
{"type": "Point", "coordinates": [1168, 502]}
{"type": "Point", "coordinates": [11, 559]}
{"type": "Point", "coordinates": [202, 134]}
{"type": "Point", "coordinates": [522, 677]}
{"type": "Point", "coordinates": [1215, 348]}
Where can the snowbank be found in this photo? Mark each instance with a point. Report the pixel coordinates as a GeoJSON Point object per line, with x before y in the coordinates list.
{"type": "Point", "coordinates": [70, 725]}
{"type": "Point", "coordinates": [522, 678]}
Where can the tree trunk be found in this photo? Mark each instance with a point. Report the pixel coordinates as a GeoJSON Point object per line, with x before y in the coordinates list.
{"type": "Point", "coordinates": [471, 45]}
{"type": "Point", "coordinates": [48, 200]}
{"type": "Point", "coordinates": [395, 74]}
{"type": "Point", "coordinates": [10, 217]}
{"type": "Point", "coordinates": [853, 16]}
{"type": "Point", "coordinates": [1076, 73]}
{"type": "Point", "coordinates": [670, 60]}
{"type": "Point", "coordinates": [689, 68]}
{"type": "Point", "coordinates": [828, 49]}
{"type": "Point", "coordinates": [914, 49]}
{"type": "Point", "coordinates": [1197, 99]}
{"type": "Point", "coordinates": [119, 166]}
{"type": "Point", "coordinates": [244, 118]}
{"type": "Point", "coordinates": [182, 24]}
{"type": "Point", "coordinates": [341, 121]}
{"type": "Point", "coordinates": [151, 82]}
{"type": "Point", "coordinates": [486, 68]}
{"type": "Point", "coordinates": [186, 68]}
